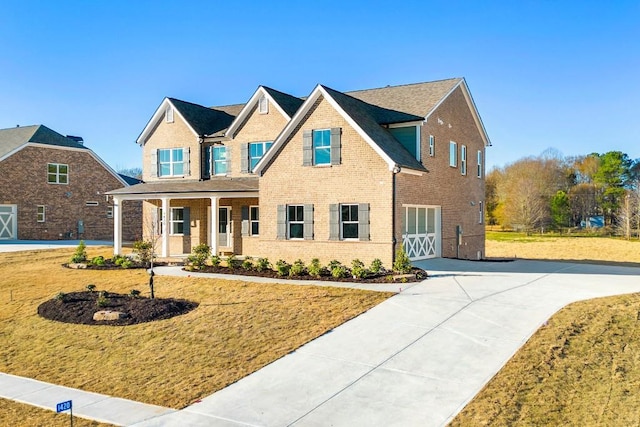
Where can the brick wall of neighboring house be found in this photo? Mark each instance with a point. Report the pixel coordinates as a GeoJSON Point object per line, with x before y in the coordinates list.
{"type": "Point", "coordinates": [176, 134]}
{"type": "Point", "coordinates": [362, 177]}
{"type": "Point", "coordinates": [459, 195]}
{"type": "Point", "coordinates": [24, 183]}
{"type": "Point", "coordinates": [256, 128]}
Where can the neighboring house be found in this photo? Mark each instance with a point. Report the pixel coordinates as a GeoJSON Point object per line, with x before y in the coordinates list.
{"type": "Point", "coordinates": [53, 187]}
{"type": "Point", "coordinates": [333, 175]}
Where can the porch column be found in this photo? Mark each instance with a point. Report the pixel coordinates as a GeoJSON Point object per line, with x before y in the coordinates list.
{"type": "Point", "coordinates": [166, 227]}
{"type": "Point", "coordinates": [117, 226]}
{"type": "Point", "coordinates": [213, 227]}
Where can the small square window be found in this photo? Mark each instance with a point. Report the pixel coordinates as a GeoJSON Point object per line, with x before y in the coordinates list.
{"type": "Point", "coordinates": [57, 173]}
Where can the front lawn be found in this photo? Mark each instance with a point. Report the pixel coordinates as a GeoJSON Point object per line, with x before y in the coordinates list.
{"type": "Point", "coordinates": [237, 328]}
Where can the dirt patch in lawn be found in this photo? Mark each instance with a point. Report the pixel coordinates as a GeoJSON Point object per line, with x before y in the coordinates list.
{"type": "Point", "coordinates": [79, 307]}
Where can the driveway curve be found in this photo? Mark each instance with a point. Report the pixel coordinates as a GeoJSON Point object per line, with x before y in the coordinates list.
{"type": "Point", "coordinates": [416, 359]}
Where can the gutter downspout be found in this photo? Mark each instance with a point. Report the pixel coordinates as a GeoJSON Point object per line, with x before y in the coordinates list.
{"type": "Point", "coordinates": [394, 172]}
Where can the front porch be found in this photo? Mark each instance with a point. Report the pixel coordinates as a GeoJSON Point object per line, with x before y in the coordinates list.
{"type": "Point", "coordinates": [221, 212]}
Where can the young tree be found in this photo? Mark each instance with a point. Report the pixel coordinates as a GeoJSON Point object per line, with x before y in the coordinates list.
{"type": "Point", "coordinates": [560, 210]}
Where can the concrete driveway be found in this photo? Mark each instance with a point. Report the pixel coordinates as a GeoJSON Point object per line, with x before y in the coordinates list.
{"type": "Point", "coordinates": [416, 359]}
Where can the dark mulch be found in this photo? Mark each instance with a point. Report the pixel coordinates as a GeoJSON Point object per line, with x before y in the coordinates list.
{"type": "Point", "coordinates": [79, 307]}
{"type": "Point", "coordinates": [416, 275]}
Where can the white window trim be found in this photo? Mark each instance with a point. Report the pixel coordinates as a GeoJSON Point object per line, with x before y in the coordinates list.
{"type": "Point", "coordinates": [432, 146]}
{"type": "Point", "coordinates": [92, 203]}
{"type": "Point", "coordinates": [57, 174]}
{"type": "Point", "coordinates": [453, 150]}
{"type": "Point", "coordinates": [347, 239]}
{"type": "Point", "coordinates": [313, 147]}
{"type": "Point", "coordinates": [252, 220]}
{"type": "Point", "coordinates": [289, 222]}
{"type": "Point", "coordinates": [481, 212]}
{"type": "Point", "coordinates": [109, 211]}
{"type": "Point", "coordinates": [213, 161]}
{"type": "Point", "coordinates": [463, 159]}
{"type": "Point", "coordinates": [171, 163]}
{"type": "Point", "coordinates": [41, 215]}
{"type": "Point", "coordinates": [479, 163]}
{"type": "Point", "coordinates": [173, 221]}
{"type": "Point", "coordinates": [264, 151]}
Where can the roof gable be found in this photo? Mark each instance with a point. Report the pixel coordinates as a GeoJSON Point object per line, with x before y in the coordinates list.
{"type": "Point", "coordinates": [364, 118]}
{"type": "Point", "coordinates": [13, 139]}
{"type": "Point", "coordinates": [421, 99]}
{"type": "Point", "coordinates": [202, 121]}
{"type": "Point", "coordinates": [286, 104]}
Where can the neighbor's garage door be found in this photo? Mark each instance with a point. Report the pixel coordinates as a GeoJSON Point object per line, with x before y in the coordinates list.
{"type": "Point", "coordinates": [8, 222]}
{"type": "Point", "coordinates": [421, 236]}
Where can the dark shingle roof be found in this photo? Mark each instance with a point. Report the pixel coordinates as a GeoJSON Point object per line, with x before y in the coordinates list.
{"type": "Point", "coordinates": [130, 180]}
{"type": "Point", "coordinates": [203, 120]}
{"type": "Point", "coordinates": [370, 118]}
{"type": "Point", "coordinates": [288, 103]}
{"type": "Point", "coordinates": [418, 98]}
{"type": "Point", "coordinates": [218, 184]}
{"type": "Point", "coordinates": [12, 138]}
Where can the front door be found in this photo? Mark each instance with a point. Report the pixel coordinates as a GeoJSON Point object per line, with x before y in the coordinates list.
{"type": "Point", "coordinates": [8, 222]}
{"type": "Point", "coordinates": [224, 227]}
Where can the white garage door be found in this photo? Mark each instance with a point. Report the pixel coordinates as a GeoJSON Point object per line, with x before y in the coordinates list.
{"type": "Point", "coordinates": [8, 222]}
{"type": "Point", "coordinates": [421, 237]}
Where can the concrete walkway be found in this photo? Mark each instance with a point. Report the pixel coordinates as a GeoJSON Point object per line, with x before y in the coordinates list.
{"type": "Point", "coordinates": [415, 360]}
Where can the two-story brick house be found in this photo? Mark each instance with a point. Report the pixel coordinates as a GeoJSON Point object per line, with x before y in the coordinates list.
{"type": "Point", "coordinates": [54, 187]}
{"type": "Point", "coordinates": [333, 175]}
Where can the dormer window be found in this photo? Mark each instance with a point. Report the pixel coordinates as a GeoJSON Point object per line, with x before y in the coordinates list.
{"type": "Point", "coordinates": [168, 114]}
{"type": "Point", "coordinates": [263, 105]}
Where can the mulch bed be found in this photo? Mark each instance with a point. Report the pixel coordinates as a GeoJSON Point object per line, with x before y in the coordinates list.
{"type": "Point", "coordinates": [79, 307]}
{"type": "Point", "coordinates": [416, 275]}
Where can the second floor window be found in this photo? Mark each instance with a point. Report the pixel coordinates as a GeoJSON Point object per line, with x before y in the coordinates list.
{"type": "Point", "coordinates": [256, 151]}
{"type": "Point", "coordinates": [321, 147]}
{"type": "Point", "coordinates": [409, 137]}
{"type": "Point", "coordinates": [171, 162]}
{"type": "Point", "coordinates": [453, 154]}
{"type": "Point", "coordinates": [219, 160]}
{"type": "Point", "coordinates": [57, 173]}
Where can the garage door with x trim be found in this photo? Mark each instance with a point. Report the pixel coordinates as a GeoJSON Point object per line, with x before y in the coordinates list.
{"type": "Point", "coordinates": [8, 224]}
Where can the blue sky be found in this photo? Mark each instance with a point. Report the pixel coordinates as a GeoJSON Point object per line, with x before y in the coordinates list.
{"type": "Point", "coordinates": [561, 74]}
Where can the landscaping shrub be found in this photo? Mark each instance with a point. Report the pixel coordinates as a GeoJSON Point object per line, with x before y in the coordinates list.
{"type": "Point", "coordinates": [97, 261]}
{"type": "Point", "coordinates": [118, 259]}
{"type": "Point", "coordinates": [91, 287]}
{"type": "Point", "coordinates": [358, 271]}
{"type": "Point", "coordinates": [282, 268]}
{"type": "Point", "coordinates": [297, 269]}
{"type": "Point", "coordinates": [144, 250]}
{"type": "Point", "coordinates": [126, 263]}
{"type": "Point", "coordinates": [247, 264]}
{"type": "Point", "coordinates": [338, 271]}
{"type": "Point", "coordinates": [60, 296]}
{"type": "Point", "coordinates": [315, 268]}
{"type": "Point", "coordinates": [376, 266]}
{"type": "Point", "coordinates": [134, 293]}
{"type": "Point", "coordinates": [233, 262]}
{"type": "Point", "coordinates": [215, 261]}
{"type": "Point", "coordinates": [262, 264]}
{"type": "Point", "coordinates": [402, 264]}
{"type": "Point", "coordinates": [199, 255]}
{"type": "Point", "coordinates": [102, 299]}
{"type": "Point", "coordinates": [80, 255]}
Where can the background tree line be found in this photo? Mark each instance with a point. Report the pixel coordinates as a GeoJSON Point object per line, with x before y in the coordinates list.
{"type": "Point", "coordinates": [555, 192]}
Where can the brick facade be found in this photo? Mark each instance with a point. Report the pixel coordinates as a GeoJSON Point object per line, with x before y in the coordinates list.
{"type": "Point", "coordinates": [24, 183]}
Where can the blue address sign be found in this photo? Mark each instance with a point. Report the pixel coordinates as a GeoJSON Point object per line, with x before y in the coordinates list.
{"type": "Point", "coordinates": [63, 406]}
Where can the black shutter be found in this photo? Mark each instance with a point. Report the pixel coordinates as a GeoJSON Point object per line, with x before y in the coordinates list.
{"type": "Point", "coordinates": [207, 172]}
{"type": "Point", "coordinates": [186, 226]}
